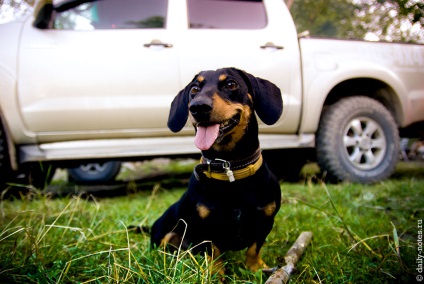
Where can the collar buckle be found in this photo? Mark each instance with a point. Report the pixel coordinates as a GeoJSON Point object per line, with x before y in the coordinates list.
{"type": "Point", "coordinates": [222, 170]}
{"type": "Point", "coordinates": [227, 168]}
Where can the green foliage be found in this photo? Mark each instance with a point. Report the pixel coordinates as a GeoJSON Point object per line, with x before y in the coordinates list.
{"type": "Point", "coordinates": [328, 18]}
{"type": "Point", "coordinates": [393, 20]}
{"type": "Point", "coordinates": [149, 23]}
{"type": "Point", "coordinates": [413, 10]}
{"type": "Point", "coordinates": [362, 234]}
{"type": "Point", "coordinates": [18, 7]}
{"type": "Point", "coordinates": [389, 20]}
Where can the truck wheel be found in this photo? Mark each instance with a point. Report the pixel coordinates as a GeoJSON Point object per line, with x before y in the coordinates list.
{"type": "Point", "coordinates": [357, 141]}
{"type": "Point", "coordinates": [4, 158]}
{"type": "Point", "coordinates": [36, 174]}
{"type": "Point", "coordinates": [95, 172]}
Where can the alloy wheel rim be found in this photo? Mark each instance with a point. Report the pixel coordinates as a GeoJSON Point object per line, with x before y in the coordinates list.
{"type": "Point", "coordinates": [364, 143]}
{"type": "Point", "coordinates": [93, 168]}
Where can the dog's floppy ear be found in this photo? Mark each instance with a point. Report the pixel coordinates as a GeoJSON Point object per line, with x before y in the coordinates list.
{"type": "Point", "coordinates": [267, 99]}
{"type": "Point", "coordinates": [178, 114]}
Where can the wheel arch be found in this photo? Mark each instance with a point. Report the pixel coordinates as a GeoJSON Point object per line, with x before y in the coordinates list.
{"type": "Point", "coordinates": [11, 149]}
{"type": "Point", "coordinates": [372, 88]}
{"type": "Point", "coordinates": [328, 90]}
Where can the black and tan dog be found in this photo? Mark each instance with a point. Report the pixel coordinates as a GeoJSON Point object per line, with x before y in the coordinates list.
{"type": "Point", "coordinates": [232, 196]}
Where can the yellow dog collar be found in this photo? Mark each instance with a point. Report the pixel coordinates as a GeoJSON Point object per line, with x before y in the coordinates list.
{"type": "Point", "coordinates": [233, 175]}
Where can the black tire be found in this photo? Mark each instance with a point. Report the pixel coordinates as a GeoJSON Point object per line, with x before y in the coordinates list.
{"type": "Point", "coordinates": [39, 175]}
{"type": "Point", "coordinates": [357, 141]}
{"type": "Point", "coordinates": [36, 174]}
{"type": "Point", "coordinates": [95, 172]}
{"type": "Point", "coordinates": [5, 168]}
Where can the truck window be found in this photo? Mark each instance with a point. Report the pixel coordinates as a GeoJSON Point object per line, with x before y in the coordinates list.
{"type": "Point", "coordinates": [222, 14]}
{"type": "Point", "coordinates": [113, 14]}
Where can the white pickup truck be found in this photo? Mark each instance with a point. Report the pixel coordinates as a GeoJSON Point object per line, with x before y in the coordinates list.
{"type": "Point", "coordinates": [93, 80]}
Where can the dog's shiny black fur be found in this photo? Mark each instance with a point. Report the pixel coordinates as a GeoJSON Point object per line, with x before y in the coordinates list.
{"type": "Point", "coordinates": [218, 214]}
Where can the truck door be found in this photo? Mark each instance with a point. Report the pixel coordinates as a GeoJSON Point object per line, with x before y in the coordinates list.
{"type": "Point", "coordinates": [256, 36]}
{"type": "Point", "coordinates": [103, 67]}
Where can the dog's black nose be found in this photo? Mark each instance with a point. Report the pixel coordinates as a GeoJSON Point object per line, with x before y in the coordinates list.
{"type": "Point", "coordinates": [200, 109]}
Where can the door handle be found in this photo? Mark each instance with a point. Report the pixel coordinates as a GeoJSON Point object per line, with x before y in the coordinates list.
{"type": "Point", "coordinates": [271, 45]}
{"type": "Point", "coordinates": [157, 42]}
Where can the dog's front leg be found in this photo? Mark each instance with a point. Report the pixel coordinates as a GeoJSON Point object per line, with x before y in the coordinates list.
{"type": "Point", "coordinates": [217, 262]}
{"type": "Point", "coordinates": [253, 258]}
{"type": "Point", "coordinates": [172, 239]}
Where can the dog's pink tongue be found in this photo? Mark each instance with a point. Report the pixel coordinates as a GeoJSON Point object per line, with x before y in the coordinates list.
{"type": "Point", "coordinates": [205, 136]}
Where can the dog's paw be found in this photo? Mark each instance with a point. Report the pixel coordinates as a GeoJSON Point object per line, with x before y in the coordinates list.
{"type": "Point", "coordinates": [254, 264]}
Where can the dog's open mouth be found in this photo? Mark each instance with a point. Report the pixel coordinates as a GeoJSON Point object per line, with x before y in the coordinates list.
{"type": "Point", "coordinates": [207, 134]}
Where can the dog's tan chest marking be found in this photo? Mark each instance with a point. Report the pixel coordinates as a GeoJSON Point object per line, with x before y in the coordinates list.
{"type": "Point", "coordinates": [269, 209]}
{"type": "Point", "coordinates": [202, 210]}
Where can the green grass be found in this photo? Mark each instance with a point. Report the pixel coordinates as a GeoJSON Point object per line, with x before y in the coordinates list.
{"type": "Point", "coordinates": [362, 234]}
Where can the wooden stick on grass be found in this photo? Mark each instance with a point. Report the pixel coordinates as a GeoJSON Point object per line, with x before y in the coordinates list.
{"type": "Point", "coordinates": [282, 274]}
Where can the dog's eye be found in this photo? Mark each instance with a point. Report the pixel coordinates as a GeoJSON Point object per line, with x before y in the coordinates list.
{"type": "Point", "coordinates": [231, 85]}
{"type": "Point", "coordinates": [194, 90]}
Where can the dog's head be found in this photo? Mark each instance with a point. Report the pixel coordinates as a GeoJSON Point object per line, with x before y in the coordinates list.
{"type": "Point", "coordinates": [220, 104]}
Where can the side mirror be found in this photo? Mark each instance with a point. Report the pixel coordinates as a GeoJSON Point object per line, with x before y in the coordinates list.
{"type": "Point", "coordinates": [43, 14]}
{"type": "Point", "coordinates": [45, 9]}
